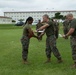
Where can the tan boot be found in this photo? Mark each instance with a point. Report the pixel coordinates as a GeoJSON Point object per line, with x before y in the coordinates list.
{"type": "Point", "coordinates": [60, 61]}
{"type": "Point", "coordinates": [25, 62]}
{"type": "Point", "coordinates": [48, 61]}
{"type": "Point", "coordinates": [74, 66]}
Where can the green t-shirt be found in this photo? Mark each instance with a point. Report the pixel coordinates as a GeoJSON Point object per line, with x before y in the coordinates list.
{"type": "Point", "coordinates": [50, 29]}
{"type": "Point", "coordinates": [73, 25]}
{"type": "Point", "coordinates": [25, 29]}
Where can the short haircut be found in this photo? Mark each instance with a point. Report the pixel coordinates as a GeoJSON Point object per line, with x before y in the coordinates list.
{"type": "Point", "coordinates": [69, 15]}
{"type": "Point", "coordinates": [46, 16]}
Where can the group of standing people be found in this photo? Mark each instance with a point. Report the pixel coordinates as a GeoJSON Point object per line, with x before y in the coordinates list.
{"type": "Point", "coordinates": [51, 29]}
{"type": "Point", "coordinates": [55, 24]}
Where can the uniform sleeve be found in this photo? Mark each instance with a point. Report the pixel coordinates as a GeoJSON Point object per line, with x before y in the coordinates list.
{"type": "Point", "coordinates": [50, 23]}
{"type": "Point", "coordinates": [73, 24]}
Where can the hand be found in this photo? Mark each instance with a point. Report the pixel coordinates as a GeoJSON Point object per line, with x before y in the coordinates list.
{"type": "Point", "coordinates": [36, 37]}
{"type": "Point", "coordinates": [37, 30]}
{"type": "Point", "coordinates": [64, 36]}
{"type": "Point", "coordinates": [39, 37]}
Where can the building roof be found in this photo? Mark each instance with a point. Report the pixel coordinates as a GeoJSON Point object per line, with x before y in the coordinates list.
{"type": "Point", "coordinates": [5, 17]}
{"type": "Point", "coordinates": [39, 11]}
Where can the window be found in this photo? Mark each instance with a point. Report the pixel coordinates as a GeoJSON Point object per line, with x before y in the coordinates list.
{"type": "Point", "coordinates": [3, 20]}
{"type": "Point", "coordinates": [23, 16]}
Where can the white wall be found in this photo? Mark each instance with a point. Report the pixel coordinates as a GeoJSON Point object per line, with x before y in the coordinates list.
{"type": "Point", "coordinates": [5, 21]}
{"type": "Point", "coordinates": [36, 15]}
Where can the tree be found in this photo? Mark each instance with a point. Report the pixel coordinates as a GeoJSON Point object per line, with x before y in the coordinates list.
{"type": "Point", "coordinates": [13, 21]}
{"type": "Point", "coordinates": [61, 16]}
{"type": "Point", "coordinates": [58, 15]}
{"type": "Point", "coordinates": [64, 17]}
{"type": "Point", "coordinates": [21, 20]}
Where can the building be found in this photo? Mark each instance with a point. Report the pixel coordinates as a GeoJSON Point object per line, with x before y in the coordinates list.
{"type": "Point", "coordinates": [5, 20]}
{"type": "Point", "coordinates": [35, 14]}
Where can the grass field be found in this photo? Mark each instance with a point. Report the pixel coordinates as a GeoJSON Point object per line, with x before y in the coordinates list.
{"type": "Point", "coordinates": [11, 52]}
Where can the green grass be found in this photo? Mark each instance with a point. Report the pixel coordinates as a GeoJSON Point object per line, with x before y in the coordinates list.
{"type": "Point", "coordinates": [11, 51]}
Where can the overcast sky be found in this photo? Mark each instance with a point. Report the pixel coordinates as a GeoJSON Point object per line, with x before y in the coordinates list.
{"type": "Point", "coordinates": [34, 5]}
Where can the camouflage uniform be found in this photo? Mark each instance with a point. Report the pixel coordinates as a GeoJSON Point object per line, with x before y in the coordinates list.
{"type": "Point", "coordinates": [37, 27]}
{"type": "Point", "coordinates": [65, 27]}
{"type": "Point", "coordinates": [25, 42]}
{"type": "Point", "coordinates": [56, 29]}
{"type": "Point", "coordinates": [51, 41]}
{"type": "Point", "coordinates": [73, 39]}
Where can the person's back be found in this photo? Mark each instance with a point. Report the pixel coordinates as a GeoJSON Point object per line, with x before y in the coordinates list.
{"type": "Point", "coordinates": [65, 24]}
{"type": "Point", "coordinates": [39, 24]}
{"type": "Point", "coordinates": [66, 27]}
{"type": "Point", "coordinates": [57, 25]}
{"type": "Point", "coordinates": [56, 28]}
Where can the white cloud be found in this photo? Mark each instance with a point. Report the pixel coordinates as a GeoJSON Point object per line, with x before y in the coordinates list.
{"type": "Point", "coordinates": [25, 5]}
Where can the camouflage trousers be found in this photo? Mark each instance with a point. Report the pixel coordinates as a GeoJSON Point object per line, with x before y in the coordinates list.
{"type": "Point", "coordinates": [73, 46]}
{"type": "Point", "coordinates": [25, 45]}
{"type": "Point", "coordinates": [51, 47]}
{"type": "Point", "coordinates": [56, 34]}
